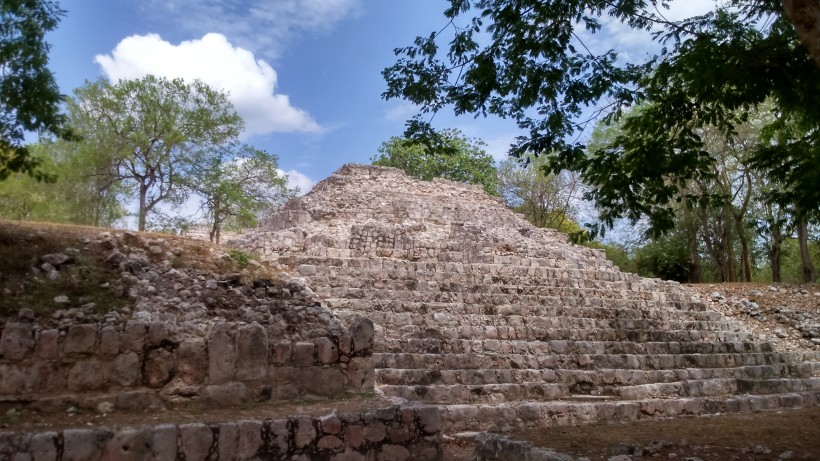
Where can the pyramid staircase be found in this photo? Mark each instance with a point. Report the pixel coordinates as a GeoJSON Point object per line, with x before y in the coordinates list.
{"type": "Point", "coordinates": [505, 325]}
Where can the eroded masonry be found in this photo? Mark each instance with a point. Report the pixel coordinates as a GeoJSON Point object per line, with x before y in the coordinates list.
{"type": "Point", "coordinates": [429, 293]}
{"type": "Point", "coordinates": [503, 325]}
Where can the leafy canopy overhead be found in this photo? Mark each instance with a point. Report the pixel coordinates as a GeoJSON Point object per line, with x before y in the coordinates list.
{"type": "Point", "coordinates": [456, 157]}
{"type": "Point", "coordinates": [526, 60]}
{"type": "Point", "coordinates": [29, 97]}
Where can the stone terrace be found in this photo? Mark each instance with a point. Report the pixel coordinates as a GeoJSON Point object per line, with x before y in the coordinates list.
{"type": "Point", "coordinates": [504, 325]}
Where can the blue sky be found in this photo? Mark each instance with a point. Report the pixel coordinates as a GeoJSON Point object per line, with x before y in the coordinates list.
{"type": "Point", "coordinates": [304, 74]}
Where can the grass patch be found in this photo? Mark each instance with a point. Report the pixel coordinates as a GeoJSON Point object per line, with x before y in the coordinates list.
{"type": "Point", "coordinates": [24, 284]}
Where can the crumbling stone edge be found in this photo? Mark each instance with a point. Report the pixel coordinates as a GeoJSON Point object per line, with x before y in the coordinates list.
{"type": "Point", "coordinates": [392, 433]}
{"type": "Point", "coordinates": [496, 447]}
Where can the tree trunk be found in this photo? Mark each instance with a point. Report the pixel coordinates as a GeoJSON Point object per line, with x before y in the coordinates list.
{"type": "Point", "coordinates": [746, 257]}
{"type": "Point", "coordinates": [775, 258]}
{"type": "Point", "coordinates": [805, 16]}
{"type": "Point", "coordinates": [143, 211]}
{"type": "Point", "coordinates": [809, 272]}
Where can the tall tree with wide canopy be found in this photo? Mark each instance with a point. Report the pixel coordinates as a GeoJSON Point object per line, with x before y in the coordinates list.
{"type": "Point", "coordinates": [150, 129]}
{"type": "Point", "coordinates": [29, 97]}
{"type": "Point", "coordinates": [526, 60]}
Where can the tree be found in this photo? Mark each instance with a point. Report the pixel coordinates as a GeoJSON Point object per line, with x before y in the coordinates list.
{"type": "Point", "coordinates": [525, 60]}
{"type": "Point", "coordinates": [79, 194]}
{"type": "Point", "coordinates": [458, 158]}
{"type": "Point", "coordinates": [150, 128]}
{"type": "Point", "coordinates": [236, 185]}
{"type": "Point", "coordinates": [29, 97]}
{"type": "Point", "coordinates": [545, 199]}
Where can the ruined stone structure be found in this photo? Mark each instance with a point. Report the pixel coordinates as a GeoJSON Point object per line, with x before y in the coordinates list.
{"type": "Point", "coordinates": [504, 325]}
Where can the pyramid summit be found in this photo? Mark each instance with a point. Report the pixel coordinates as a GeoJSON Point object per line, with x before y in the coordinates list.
{"type": "Point", "coordinates": [504, 325]}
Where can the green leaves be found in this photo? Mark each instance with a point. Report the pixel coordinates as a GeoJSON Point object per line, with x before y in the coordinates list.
{"type": "Point", "coordinates": [237, 185]}
{"type": "Point", "coordinates": [29, 97]}
{"type": "Point", "coordinates": [448, 154]}
{"type": "Point", "coordinates": [150, 129]}
{"type": "Point", "coordinates": [533, 67]}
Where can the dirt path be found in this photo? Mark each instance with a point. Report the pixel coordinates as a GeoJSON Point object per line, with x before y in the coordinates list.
{"type": "Point", "coordinates": [776, 435]}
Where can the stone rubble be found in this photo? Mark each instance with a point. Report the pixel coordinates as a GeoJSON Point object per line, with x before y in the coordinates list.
{"type": "Point", "coordinates": [186, 333]}
{"type": "Point", "coordinates": [501, 324]}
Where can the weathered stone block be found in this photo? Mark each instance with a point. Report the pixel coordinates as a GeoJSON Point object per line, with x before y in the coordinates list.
{"type": "Point", "coordinates": [280, 434]}
{"type": "Point", "coordinates": [329, 442]}
{"type": "Point", "coordinates": [109, 341]}
{"type": "Point", "coordinates": [221, 354]}
{"type": "Point", "coordinates": [126, 369]}
{"type": "Point", "coordinates": [326, 351]}
{"type": "Point", "coordinates": [249, 440]}
{"type": "Point", "coordinates": [43, 446]}
{"type": "Point", "coordinates": [12, 378]}
{"type": "Point", "coordinates": [48, 347]}
{"type": "Point", "coordinates": [157, 333]}
{"type": "Point", "coordinates": [303, 354]}
{"type": "Point", "coordinates": [84, 444]}
{"type": "Point", "coordinates": [354, 435]}
{"type": "Point", "coordinates": [129, 444]}
{"type": "Point", "coordinates": [361, 373]}
{"type": "Point", "coordinates": [17, 341]}
{"type": "Point", "coordinates": [227, 441]}
{"type": "Point", "coordinates": [375, 431]}
{"type": "Point", "coordinates": [87, 375]}
{"type": "Point", "coordinates": [393, 453]}
{"type": "Point", "coordinates": [192, 361]}
{"type": "Point", "coordinates": [159, 368]}
{"type": "Point", "coordinates": [304, 433]}
{"type": "Point", "coordinates": [281, 352]}
{"type": "Point", "coordinates": [252, 352]}
{"type": "Point", "coordinates": [429, 419]}
{"type": "Point", "coordinates": [133, 337]}
{"type": "Point", "coordinates": [362, 334]}
{"type": "Point", "coordinates": [80, 339]}
{"type": "Point", "coordinates": [195, 440]}
{"type": "Point", "coordinates": [325, 381]}
{"type": "Point", "coordinates": [225, 394]}
{"type": "Point", "coordinates": [399, 434]}
{"type": "Point", "coordinates": [330, 424]}
{"type": "Point", "coordinates": [164, 442]}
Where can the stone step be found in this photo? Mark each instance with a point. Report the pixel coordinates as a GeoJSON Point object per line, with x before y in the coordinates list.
{"type": "Point", "coordinates": [396, 303]}
{"type": "Point", "coordinates": [533, 302]}
{"type": "Point", "coordinates": [496, 393]}
{"type": "Point", "coordinates": [777, 386]}
{"type": "Point", "coordinates": [580, 378]}
{"type": "Point", "coordinates": [467, 282]}
{"type": "Point", "coordinates": [592, 361]}
{"type": "Point", "coordinates": [513, 266]}
{"type": "Point", "coordinates": [455, 337]}
{"type": "Point", "coordinates": [476, 394]}
{"type": "Point", "coordinates": [545, 346]}
{"type": "Point", "coordinates": [580, 410]}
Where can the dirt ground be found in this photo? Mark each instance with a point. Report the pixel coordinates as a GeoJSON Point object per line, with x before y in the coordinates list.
{"type": "Point", "coordinates": [774, 435]}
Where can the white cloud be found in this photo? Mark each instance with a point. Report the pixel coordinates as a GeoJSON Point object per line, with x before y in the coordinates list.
{"type": "Point", "coordinates": [264, 26]}
{"type": "Point", "coordinates": [401, 112]}
{"type": "Point", "coordinates": [251, 83]}
{"type": "Point", "coordinates": [297, 179]}
{"type": "Point", "coordinates": [631, 44]}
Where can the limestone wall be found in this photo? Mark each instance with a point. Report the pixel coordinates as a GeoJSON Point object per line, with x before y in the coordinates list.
{"type": "Point", "coordinates": [139, 365]}
{"type": "Point", "coordinates": [388, 434]}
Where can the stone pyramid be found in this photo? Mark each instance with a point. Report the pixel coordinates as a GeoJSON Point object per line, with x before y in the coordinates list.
{"type": "Point", "coordinates": [504, 325]}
